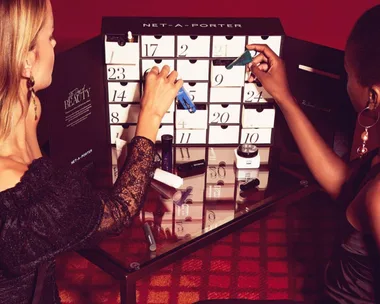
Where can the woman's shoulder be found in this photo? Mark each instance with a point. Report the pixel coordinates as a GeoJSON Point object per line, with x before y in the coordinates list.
{"type": "Point", "coordinates": [11, 173]}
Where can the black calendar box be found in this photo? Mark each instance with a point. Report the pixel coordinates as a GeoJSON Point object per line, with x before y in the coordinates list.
{"type": "Point", "coordinates": [112, 67]}
{"type": "Point", "coordinates": [72, 129]}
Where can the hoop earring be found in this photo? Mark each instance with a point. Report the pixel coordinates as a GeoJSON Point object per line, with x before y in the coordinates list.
{"type": "Point", "coordinates": [362, 150]}
{"type": "Point", "coordinates": [31, 94]}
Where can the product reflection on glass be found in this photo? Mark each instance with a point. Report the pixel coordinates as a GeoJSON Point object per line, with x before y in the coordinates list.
{"type": "Point", "coordinates": [217, 182]}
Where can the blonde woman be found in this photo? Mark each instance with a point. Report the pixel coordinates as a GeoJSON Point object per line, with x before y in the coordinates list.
{"type": "Point", "coordinates": [46, 210]}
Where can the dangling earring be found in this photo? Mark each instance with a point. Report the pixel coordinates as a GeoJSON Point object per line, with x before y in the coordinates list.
{"type": "Point", "coordinates": [31, 94]}
{"type": "Point", "coordinates": [362, 150]}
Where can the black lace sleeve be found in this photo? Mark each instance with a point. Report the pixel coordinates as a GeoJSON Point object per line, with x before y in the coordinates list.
{"type": "Point", "coordinates": [129, 191]}
{"type": "Point", "coordinates": [52, 210]}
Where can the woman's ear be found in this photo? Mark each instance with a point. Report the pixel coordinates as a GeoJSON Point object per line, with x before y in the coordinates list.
{"type": "Point", "coordinates": [374, 97]}
{"type": "Point", "coordinates": [28, 65]}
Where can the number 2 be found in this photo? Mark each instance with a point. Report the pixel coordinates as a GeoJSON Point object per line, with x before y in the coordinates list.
{"type": "Point", "coordinates": [184, 47]}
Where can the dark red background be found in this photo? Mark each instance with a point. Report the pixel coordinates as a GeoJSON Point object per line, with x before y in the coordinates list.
{"type": "Point", "coordinates": [321, 21]}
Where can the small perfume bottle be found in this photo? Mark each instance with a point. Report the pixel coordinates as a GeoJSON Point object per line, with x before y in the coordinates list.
{"type": "Point", "coordinates": [167, 152]}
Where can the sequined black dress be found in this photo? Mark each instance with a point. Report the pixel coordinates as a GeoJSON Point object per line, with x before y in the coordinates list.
{"type": "Point", "coordinates": [52, 210]}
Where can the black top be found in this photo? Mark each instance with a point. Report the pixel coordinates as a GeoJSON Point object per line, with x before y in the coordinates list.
{"type": "Point", "coordinates": [350, 275]}
{"type": "Point", "coordinates": [52, 210]}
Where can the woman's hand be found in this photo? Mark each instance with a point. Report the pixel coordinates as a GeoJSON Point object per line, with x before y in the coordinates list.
{"type": "Point", "coordinates": [159, 91]}
{"type": "Point", "coordinates": [269, 69]}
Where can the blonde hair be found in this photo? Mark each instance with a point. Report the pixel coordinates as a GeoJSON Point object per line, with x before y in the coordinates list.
{"type": "Point", "coordinates": [20, 23]}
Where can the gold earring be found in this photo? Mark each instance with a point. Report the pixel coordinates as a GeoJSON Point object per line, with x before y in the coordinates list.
{"type": "Point", "coordinates": [362, 149]}
{"type": "Point", "coordinates": [31, 94]}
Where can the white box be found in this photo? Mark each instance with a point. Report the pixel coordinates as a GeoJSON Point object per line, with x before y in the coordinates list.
{"type": "Point", "coordinates": [227, 95]}
{"type": "Point", "coordinates": [123, 113]}
{"type": "Point", "coordinates": [253, 117]}
{"type": "Point", "coordinates": [198, 91]}
{"type": "Point", "coordinates": [256, 136]}
{"type": "Point", "coordinates": [193, 46]}
{"type": "Point", "coordinates": [123, 72]}
{"type": "Point", "coordinates": [157, 46]}
{"type": "Point", "coordinates": [223, 134]}
{"type": "Point", "coordinates": [224, 113]}
{"type": "Point", "coordinates": [147, 64]}
{"type": "Point", "coordinates": [254, 93]}
{"type": "Point", "coordinates": [196, 120]}
{"type": "Point", "coordinates": [123, 91]}
{"type": "Point", "coordinates": [119, 51]}
{"type": "Point", "coordinates": [222, 77]}
{"type": "Point", "coordinates": [228, 46]}
{"type": "Point", "coordinates": [190, 136]}
{"type": "Point", "coordinates": [193, 69]}
{"type": "Point", "coordinates": [274, 42]}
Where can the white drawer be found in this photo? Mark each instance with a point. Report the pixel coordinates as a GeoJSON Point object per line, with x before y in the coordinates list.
{"type": "Point", "coordinates": [123, 72]}
{"type": "Point", "coordinates": [198, 91]}
{"type": "Point", "coordinates": [228, 46]}
{"type": "Point", "coordinates": [221, 155]}
{"type": "Point", "coordinates": [123, 91]}
{"type": "Point", "coordinates": [222, 77]}
{"type": "Point", "coordinates": [274, 42]}
{"type": "Point", "coordinates": [256, 136]}
{"type": "Point", "coordinates": [157, 46]}
{"type": "Point", "coordinates": [190, 136]}
{"type": "Point", "coordinates": [228, 95]}
{"type": "Point", "coordinates": [193, 69]}
{"type": "Point", "coordinates": [253, 117]}
{"type": "Point", "coordinates": [129, 113]}
{"type": "Point", "coordinates": [193, 46]}
{"type": "Point", "coordinates": [217, 174]}
{"type": "Point", "coordinates": [253, 93]}
{"type": "Point", "coordinates": [223, 134]}
{"type": "Point", "coordinates": [188, 154]}
{"type": "Point", "coordinates": [124, 132]}
{"type": "Point", "coordinates": [196, 120]}
{"type": "Point", "coordinates": [128, 132]}
{"type": "Point", "coordinates": [224, 113]}
{"type": "Point", "coordinates": [119, 51]}
{"type": "Point", "coordinates": [123, 113]}
{"type": "Point", "coordinates": [147, 64]}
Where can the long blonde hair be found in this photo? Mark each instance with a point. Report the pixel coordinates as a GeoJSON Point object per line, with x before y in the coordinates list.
{"type": "Point", "coordinates": [20, 23]}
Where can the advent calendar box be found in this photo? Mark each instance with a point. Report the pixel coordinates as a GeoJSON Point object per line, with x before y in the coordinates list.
{"type": "Point", "coordinates": [230, 111]}
{"type": "Point", "coordinates": [93, 103]}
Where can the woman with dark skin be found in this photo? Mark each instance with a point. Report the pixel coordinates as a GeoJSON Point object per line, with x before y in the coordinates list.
{"type": "Point", "coordinates": [45, 210]}
{"type": "Point", "coordinates": [352, 275]}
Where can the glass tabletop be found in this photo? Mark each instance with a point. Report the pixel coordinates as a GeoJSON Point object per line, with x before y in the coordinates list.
{"type": "Point", "coordinates": [212, 198]}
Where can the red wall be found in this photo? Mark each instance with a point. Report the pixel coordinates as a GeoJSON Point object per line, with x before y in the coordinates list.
{"type": "Point", "coordinates": [320, 21]}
